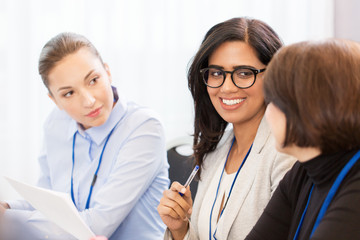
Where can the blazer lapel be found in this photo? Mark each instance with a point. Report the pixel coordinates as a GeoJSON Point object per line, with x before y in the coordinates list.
{"type": "Point", "coordinates": [243, 182]}
{"type": "Point", "coordinates": [213, 162]}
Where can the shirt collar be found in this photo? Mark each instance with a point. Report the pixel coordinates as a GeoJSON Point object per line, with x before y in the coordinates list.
{"type": "Point", "coordinates": [98, 134]}
{"type": "Point", "coordinates": [324, 168]}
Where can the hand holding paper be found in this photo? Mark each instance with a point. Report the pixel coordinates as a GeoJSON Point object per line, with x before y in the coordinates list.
{"type": "Point", "coordinates": [56, 206]}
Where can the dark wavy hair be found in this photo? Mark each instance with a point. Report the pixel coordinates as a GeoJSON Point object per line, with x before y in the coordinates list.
{"type": "Point", "coordinates": [209, 127]}
{"type": "Point", "coordinates": [317, 86]}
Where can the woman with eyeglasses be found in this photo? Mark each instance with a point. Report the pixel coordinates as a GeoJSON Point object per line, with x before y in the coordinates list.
{"type": "Point", "coordinates": [239, 168]}
{"type": "Point", "coordinates": [314, 112]}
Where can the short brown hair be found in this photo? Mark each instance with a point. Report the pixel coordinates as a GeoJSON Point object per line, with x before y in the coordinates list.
{"type": "Point", "coordinates": [317, 86]}
{"type": "Point", "coordinates": [59, 47]}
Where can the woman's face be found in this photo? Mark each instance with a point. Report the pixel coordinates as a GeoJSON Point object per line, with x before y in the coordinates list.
{"type": "Point", "coordinates": [277, 121]}
{"type": "Point", "coordinates": [81, 85]}
{"type": "Point", "coordinates": [235, 105]}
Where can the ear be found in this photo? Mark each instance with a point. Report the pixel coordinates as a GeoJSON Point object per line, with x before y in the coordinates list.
{"type": "Point", "coordinates": [54, 100]}
{"type": "Point", "coordinates": [107, 69]}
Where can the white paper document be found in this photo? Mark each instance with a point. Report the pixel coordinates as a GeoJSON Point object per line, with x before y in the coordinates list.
{"type": "Point", "coordinates": [56, 206]}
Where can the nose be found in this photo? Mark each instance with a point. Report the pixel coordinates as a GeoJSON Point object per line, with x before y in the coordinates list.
{"type": "Point", "coordinates": [88, 99]}
{"type": "Point", "coordinates": [228, 85]}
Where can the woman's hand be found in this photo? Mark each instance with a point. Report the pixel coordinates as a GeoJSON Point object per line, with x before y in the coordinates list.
{"type": "Point", "coordinates": [3, 207]}
{"type": "Point", "coordinates": [175, 210]}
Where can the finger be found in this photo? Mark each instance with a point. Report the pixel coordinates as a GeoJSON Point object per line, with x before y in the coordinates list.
{"type": "Point", "coordinates": [189, 212]}
{"type": "Point", "coordinates": [177, 204]}
{"type": "Point", "coordinates": [176, 186]}
{"type": "Point", "coordinates": [184, 202]}
{"type": "Point", "coordinates": [188, 198]}
{"type": "Point", "coordinates": [187, 192]}
{"type": "Point", "coordinates": [186, 195]}
{"type": "Point", "coordinates": [169, 212]}
{"type": "Point", "coordinates": [5, 205]}
{"type": "Point", "coordinates": [167, 208]}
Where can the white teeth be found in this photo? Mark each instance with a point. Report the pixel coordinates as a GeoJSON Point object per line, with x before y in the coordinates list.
{"type": "Point", "coordinates": [232, 101]}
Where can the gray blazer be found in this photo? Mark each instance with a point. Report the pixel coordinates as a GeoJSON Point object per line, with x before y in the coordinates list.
{"type": "Point", "coordinates": [256, 182]}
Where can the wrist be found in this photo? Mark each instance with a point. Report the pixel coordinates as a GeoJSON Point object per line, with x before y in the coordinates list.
{"type": "Point", "coordinates": [179, 234]}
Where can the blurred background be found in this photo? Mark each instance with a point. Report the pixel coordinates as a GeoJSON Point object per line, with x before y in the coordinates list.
{"type": "Point", "coordinates": [148, 46]}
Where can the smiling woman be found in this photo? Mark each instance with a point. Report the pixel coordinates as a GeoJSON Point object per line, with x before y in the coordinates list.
{"type": "Point", "coordinates": [240, 168]}
{"type": "Point", "coordinates": [107, 153]}
{"type": "Point", "coordinates": [134, 38]}
{"type": "Point", "coordinates": [233, 103]}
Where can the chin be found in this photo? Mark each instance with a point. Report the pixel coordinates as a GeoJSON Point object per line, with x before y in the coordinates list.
{"type": "Point", "coordinates": [102, 121]}
{"type": "Point", "coordinates": [98, 124]}
{"type": "Point", "coordinates": [93, 124]}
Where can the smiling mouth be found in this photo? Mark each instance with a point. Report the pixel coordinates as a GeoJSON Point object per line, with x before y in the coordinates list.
{"type": "Point", "coordinates": [230, 102]}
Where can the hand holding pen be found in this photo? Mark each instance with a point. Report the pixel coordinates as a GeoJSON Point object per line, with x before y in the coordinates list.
{"type": "Point", "coordinates": [190, 178]}
{"type": "Point", "coordinates": [175, 207]}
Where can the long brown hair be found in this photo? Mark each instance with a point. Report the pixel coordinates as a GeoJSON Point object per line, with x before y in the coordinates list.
{"type": "Point", "coordinates": [317, 86]}
{"type": "Point", "coordinates": [209, 127]}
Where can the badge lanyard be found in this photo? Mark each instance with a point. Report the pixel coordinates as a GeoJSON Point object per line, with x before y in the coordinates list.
{"type": "Point", "coordinates": [232, 185]}
{"type": "Point", "coordinates": [329, 196]}
{"type": "Point", "coordinates": [96, 172]}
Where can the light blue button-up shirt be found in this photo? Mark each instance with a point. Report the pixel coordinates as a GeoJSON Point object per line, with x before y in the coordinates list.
{"type": "Point", "coordinates": [132, 176]}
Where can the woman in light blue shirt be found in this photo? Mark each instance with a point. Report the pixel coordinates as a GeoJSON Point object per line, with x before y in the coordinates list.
{"type": "Point", "coordinates": [107, 153]}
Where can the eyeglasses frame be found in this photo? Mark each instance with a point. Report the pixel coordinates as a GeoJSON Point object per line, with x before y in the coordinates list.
{"type": "Point", "coordinates": [255, 71]}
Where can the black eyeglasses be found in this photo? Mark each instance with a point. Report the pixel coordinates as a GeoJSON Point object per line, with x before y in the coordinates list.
{"type": "Point", "coordinates": [242, 77]}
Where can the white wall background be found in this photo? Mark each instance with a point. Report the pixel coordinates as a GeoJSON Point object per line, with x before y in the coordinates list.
{"type": "Point", "coordinates": [347, 19]}
{"type": "Point", "coordinates": [147, 44]}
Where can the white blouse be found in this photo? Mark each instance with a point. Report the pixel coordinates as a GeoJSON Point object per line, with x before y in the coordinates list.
{"type": "Point", "coordinates": [205, 210]}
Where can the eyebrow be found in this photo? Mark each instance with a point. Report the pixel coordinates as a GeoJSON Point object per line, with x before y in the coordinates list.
{"type": "Point", "coordinates": [86, 77]}
{"type": "Point", "coordinates": [234, 67]}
